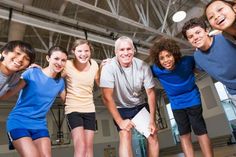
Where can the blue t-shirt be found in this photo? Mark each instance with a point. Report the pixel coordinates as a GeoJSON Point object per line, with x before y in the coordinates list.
{"type": "Point", "coordinates": [179, 83]}
{"type": "Point", "coordinates": [34, 100]}
{"type": "Point", "coordinates": [219, 61]}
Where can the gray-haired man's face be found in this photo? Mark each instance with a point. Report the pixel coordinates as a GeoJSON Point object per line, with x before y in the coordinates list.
{"type": "Point", "coordinates": [125, 53]}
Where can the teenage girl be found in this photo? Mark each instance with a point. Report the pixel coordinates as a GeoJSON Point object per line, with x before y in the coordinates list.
{"type": "Point", "coordinates": [221, 15]}
{"type": "Point", "coordinates": [26, 123]}
{"type": "Point", "coordinates": [176, 74]}
{"type": "Point", "coordinates": [80, 74]}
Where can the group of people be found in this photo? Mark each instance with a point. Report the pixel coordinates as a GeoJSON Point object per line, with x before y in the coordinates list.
{"type": "Point", "coordinates": [123, 80]}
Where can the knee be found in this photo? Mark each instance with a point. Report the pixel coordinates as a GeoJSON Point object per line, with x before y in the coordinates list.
{"type": "Point", "coordinates": [125, 137]}
{"type": "Point", "coordinates": [153, 140]}
{"type": "Point", "coordinates": [80, 146]}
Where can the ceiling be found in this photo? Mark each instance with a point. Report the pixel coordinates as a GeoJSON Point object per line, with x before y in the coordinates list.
{"type": "Point", "coordinates": [44, 23]}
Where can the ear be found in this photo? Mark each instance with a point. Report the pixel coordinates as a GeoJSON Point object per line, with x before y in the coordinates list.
{"type": "Point", "coordinates": [47, 58]}
{"type": "Point", "coordinates": [4, 54]}
{"type": "Point", "coordinates": [234, 7]}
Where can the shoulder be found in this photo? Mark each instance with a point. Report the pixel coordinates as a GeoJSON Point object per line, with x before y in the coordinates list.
{"type": "Point", "coordinates": [69, 63]}
{"type": "Point", "coordinates": [112, 65]}
{"type": "Point", "coordinates": [94, 63]}
{"type": "Point", "coordinates": [188, 59]}
{"type": "Point", "coordinates": [31, 73]}
{"type": "Point", "coordinates": [140, 63]}
{"type": "Point", "coordinates": [32, 70]}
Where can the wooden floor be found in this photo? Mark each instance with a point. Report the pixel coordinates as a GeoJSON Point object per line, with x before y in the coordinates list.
{"type": "Point", "coordinates": [226, 151]}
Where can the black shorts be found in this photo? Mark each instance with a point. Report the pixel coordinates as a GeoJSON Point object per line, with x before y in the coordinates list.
{"type": "Point", "coordinates": [190, 117]}
{"type": "Point", "coordinates": [85, 120]}
{"type": "Point", "coordinates": [129, 113]}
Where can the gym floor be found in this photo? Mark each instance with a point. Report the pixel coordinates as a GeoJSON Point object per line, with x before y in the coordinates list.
{"type": "Point", "coordinates": [226, 151]}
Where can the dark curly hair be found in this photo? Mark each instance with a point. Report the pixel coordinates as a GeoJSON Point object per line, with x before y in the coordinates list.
{"type": "Point", "coordinates": [194, 22]}
{"type": "Point", "coordinates": [164, 44]}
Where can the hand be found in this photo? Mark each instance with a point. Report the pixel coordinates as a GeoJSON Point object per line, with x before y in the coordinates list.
{"type": "Point", "coordinates": [153, 128]}
{"type": "Point", "coordinates": [105, 61]}
{"type": "Point", "coordinates": [126, 124]}
{"type": "Point", "coordinates": [34, 65]}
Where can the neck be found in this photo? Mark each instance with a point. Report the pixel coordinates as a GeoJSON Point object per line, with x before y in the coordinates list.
{"type": "Point", "coordinates": [232, 30]}
{"type": "Point", "coordinates": [5, 70]}
{"type": "Point", "coordinates": [49, 72]}
{"type": "Point", "coordinates": [125, 65]}
{"type": "Point", "coordinates": [207, 44]}
{"type": "Point", "coordinates": [81, 66]}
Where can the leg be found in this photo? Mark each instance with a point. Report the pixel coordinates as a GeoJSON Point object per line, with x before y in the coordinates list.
{"type": "Point", "coordinates": [186, 144]}
{"type": "Point", "coordinates": [153, 146]}
{"type": "Point", "coordinates": [26, 147]}
{"type": "Point", "coordinates": [78, 137]}
{"type": "Point", "coordinates": [205, 145]}
{"type": "Point", "coordinates": [199, 128]}
{"type": "Point", "coordinates": [125, 146]}
{"type": "Point", "coordinates": [44, 146]}
{"type": "Point", "coordinates": [184, 127]}
{"type": "Point", "coordinates": [89, 136]}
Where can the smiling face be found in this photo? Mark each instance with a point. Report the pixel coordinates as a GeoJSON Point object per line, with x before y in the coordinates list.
{"type": "Point", "coordinates": [15, 61]}
{"type": "Point", "coordinates": [167, 60]}
{"type": "Point", "coordinates": [220, 15]}
{"type": "Point", "coordinates": [198, 38]}
{"type": "Point", "coordinates": [57, 61]}
{"type": "Point", "coordinates": [82, 53]}
{"type": "Point", "coordinates": [125, 53]}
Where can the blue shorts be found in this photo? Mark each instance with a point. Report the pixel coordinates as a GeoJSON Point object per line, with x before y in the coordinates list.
{"type": "Point", "coordinates": [32, 133]}
{"type": "Point", "coordinates": [129, 113]}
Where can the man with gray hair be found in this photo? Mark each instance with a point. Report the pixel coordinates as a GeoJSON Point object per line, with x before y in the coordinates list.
{"type": "Point", "coordinates": [122, 81]}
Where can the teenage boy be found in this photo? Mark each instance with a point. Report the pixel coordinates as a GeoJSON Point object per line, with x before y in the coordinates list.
{"type": "Point", "coordinates": [214, 54]}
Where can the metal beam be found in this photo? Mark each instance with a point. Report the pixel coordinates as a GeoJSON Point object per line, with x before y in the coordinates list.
{"type": "Point", "coordinates": [125, 20]}
{"type": "Point", "coordinates": [38, 23]}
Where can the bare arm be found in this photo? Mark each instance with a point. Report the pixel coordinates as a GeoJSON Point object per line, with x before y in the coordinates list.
{"type": "Point", "coordinates": [110, 104]}
{"type": "Point", "coordinates": [152, 107]}
{"type": "Point", "coordinates": [98, 75]}
{"type": "Point", "coordinates": [21, 84]}
{"type": "Point", "coordinates": [63, 95]}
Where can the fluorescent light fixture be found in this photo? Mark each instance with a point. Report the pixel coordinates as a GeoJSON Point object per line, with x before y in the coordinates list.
{"type": "Point", "coordinates": [179, 16]}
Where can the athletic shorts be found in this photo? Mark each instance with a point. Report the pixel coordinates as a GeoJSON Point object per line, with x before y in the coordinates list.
{"type": "Point", "coordinates": [16, 134]}
{"type": "Point", "coordinates": [188, 118]}
{"type": "Point", "coordinates": [129, 113]}
{"type": "Point", "coordinates": [85, 120]}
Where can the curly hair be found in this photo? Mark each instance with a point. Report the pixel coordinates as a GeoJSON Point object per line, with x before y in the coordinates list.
{"type": "Point", "coordinates": [194, 22]}
{"type": "Point", "coordinates": [164, 44]}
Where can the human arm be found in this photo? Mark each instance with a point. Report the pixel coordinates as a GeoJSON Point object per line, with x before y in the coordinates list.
{"type": "Point", "coordinates": [34, 65]}
{"type": "Point", "coordinates": [152, 107]}
{"type": "Point", "coordinates": [124, 124]}
{"type": "Point", "coordinates": [63, 95]}
{"type": "Point", "coordinates": [21, 84]}
{"type": "Point", "coordinates": [98, 75]}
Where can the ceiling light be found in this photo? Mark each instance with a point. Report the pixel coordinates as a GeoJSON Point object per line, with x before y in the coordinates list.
{"type": "Point", "coordinates": [179, 16]}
